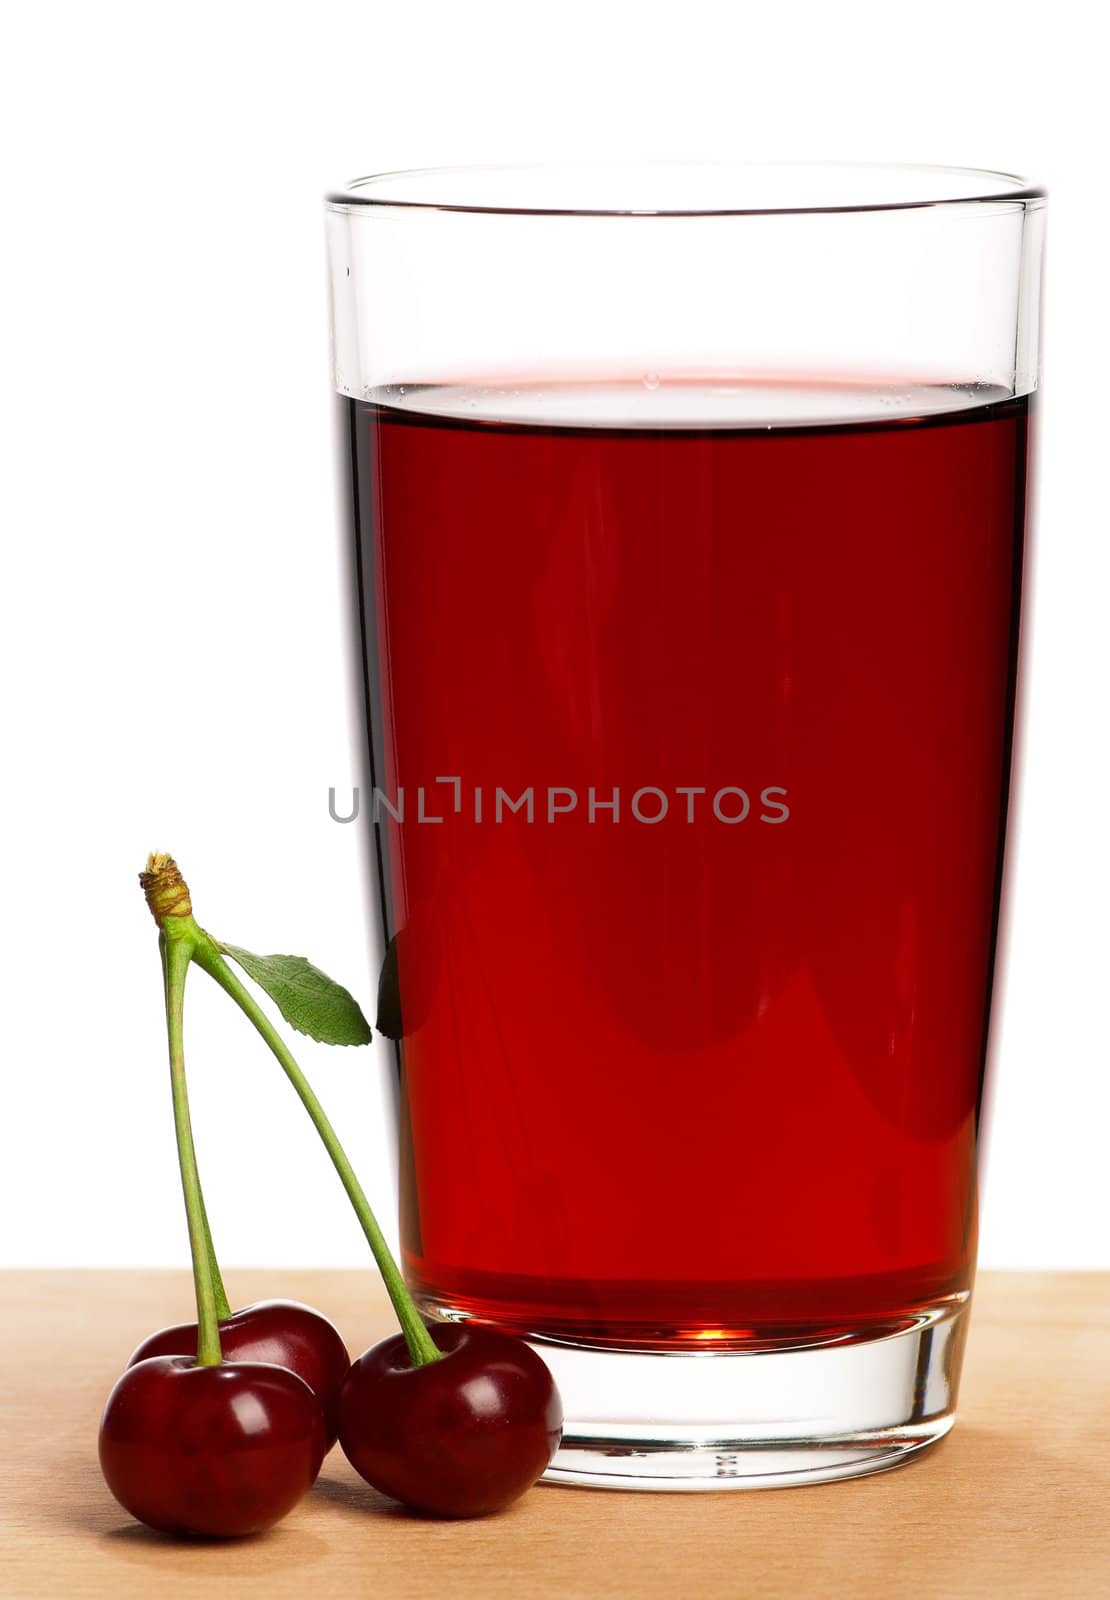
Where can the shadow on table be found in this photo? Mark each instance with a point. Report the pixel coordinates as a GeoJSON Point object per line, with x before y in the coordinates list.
{"type": "Point", "coordinates": [283, 1548]}
{"type": "Point", "coordinates": [351, 1494]}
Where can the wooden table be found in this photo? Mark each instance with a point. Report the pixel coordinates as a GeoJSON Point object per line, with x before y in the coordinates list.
{"type": "Point", "coordinates": [1015, 1503]}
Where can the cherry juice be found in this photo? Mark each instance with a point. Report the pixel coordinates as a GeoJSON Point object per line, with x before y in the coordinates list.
{"type": "Point", "coordinates": [691, 713]}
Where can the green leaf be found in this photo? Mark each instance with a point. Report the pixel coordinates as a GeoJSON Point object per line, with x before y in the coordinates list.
{"type": "Point", "coordinates": [307, 998]}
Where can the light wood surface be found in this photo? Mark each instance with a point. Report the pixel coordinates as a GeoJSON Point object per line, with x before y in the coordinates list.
{"type": "Point", "coordinates": [1015, 1503]}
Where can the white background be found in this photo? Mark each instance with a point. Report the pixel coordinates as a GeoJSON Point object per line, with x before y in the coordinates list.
{"type": "Point", "coordinates": [173, 659]}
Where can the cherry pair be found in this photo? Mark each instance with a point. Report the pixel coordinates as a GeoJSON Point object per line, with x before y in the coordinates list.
{"type": "Point", "coordinates": [230, 1449]}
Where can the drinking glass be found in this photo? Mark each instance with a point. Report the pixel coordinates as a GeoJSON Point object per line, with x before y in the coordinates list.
{"type": "Point", "coordinates": [688, 504]}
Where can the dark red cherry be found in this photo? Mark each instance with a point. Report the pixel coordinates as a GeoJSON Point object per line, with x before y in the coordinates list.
{"type": "Point", "coordinates": [283, 1332]}
{"type": "Point", "coordinates": [212, 1451]}
{"type": "Point", "coordinates": [458, 1437]}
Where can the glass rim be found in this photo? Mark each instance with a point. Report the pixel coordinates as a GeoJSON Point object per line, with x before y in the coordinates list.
{"type": "Point", "coordinates": [966, 186]}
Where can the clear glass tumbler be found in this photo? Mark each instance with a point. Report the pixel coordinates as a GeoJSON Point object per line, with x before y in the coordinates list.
{"type": "Point", "coordinates": [689, 509]}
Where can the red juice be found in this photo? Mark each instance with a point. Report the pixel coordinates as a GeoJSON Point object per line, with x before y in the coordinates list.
{"type": "Point", "coordinates": [693, 1052]}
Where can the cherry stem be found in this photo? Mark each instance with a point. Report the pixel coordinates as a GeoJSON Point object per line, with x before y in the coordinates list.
{"type": "Point", "coordinates": [177, 952]}
{"type": "Point", "coordinates": [223, 1309]}
{"type": "Point", "coordinates": [422, 1350]}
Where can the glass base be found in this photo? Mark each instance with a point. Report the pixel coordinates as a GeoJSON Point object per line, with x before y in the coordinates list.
{"type": "Point", "coordinates": [761, 1419]}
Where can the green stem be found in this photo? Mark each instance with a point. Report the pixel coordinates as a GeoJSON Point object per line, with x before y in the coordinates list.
{"type": "Point", "coordinates": [176, 955]}
{"type": "Point", "coordinates": [223, 1309]}
{"type": "Point", "coordinates": [421, 1347]}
